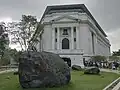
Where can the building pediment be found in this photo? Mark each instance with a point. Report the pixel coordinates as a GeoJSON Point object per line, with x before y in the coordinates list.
{"type": "Point", "coordinates": [65, 19]}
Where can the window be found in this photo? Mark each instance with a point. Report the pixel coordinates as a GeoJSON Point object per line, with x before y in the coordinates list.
{"type": "Point", "coordinates": [74, 29]}
{"type": "Point", "coordinates": [55, 30]}
{"type": "Point", "coordinates": [65, 43]}
{"type": "Point", "coordinates": [74, 39]}
{"type": "Point", "coordinates": [65, 32]}
{"type": "Point", "coordinates": [74, 43]}
{"type": "Point", "coordinates": [56, 40]}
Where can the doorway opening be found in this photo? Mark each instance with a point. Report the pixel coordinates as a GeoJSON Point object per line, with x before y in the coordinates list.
{"type": "Point", "coordinates": [67, 60]}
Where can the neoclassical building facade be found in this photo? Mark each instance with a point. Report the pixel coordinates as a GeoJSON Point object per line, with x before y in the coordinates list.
{"type": "Point", "coordinates": [72, 32]}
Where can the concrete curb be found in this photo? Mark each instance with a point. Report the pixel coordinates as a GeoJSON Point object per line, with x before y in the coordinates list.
{"type": "Point", "coordinates": [117, 87]}
{"type": "Point", "coordinates": [107, 87]}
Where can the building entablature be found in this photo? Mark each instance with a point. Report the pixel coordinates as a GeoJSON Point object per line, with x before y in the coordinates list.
{"type": "Point", "coordinates": [70, 19]}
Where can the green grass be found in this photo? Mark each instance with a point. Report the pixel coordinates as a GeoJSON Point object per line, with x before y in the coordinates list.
{"type": "Point", "coordinates": [79, 82]}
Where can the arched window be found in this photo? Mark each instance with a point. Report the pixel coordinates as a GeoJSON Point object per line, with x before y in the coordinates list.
{"type": "Point", "coordinates": [65, 43]}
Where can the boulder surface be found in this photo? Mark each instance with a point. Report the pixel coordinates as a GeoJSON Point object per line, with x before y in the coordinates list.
{"type": "Point", "coordinates": [92, 70]}
{"type": "Point", "coordinates": [42, 69]}
{"type": "Point", "coordinates": [76, 67]}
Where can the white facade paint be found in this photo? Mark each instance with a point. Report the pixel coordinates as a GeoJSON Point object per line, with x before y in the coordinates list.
{"type": "Point", "coordinates": [86, 34]}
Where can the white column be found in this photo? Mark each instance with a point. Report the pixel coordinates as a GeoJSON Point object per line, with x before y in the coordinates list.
{"type": "Point", "coordinates": [77, 37]}
{"type": "Point", "coordinates": [72, 38]}
{"type": "Point", "coordinates": [58, 38]}
{"type": "Point", "coordinates": [95, 44]}
{"type": "Point", "coordinates": [53, 38]}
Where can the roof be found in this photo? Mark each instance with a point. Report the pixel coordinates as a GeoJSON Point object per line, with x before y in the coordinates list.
{"type": "Point", "coordinates": [73, 6]}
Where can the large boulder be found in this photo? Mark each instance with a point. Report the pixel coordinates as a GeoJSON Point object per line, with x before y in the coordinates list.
{"type": "Point", "coordinates": [42, 69]}
{"type": "Point", "coordinates": [76, 67]}
{"type": "Point", "coordinates": [92, 70]}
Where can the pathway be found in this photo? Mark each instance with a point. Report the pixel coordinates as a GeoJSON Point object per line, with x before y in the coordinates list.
{"type": "Point", "coordinates": [117, 87]}
{"type": "Point", "coordinates": [10, 70]}
{"type": "Point", "coordinates": [109, 70]}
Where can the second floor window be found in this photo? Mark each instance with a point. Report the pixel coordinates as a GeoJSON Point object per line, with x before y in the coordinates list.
{"type": "Point", "coordinates": [65, 32]}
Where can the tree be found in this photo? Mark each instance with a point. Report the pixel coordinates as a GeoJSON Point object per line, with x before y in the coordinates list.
{"type": "Point", "coordinates": [113, 58]}
{"type": "Point", "coordinates": [98, 58]}
{"type": "Point", "coordinates": [22, 31]}
{"type": "Point", "coordinates": [116, 53]}
{"type": "Point", "coordinates": [10, 56]}
{"type": "Point", "coordinates": [35, 36]}
{"type": "Point", "coordinates": [14, 54]}
{"type": "Point", "coordinates": [5, 60]}
{"type": "Point", "coordinates": [4, 40]}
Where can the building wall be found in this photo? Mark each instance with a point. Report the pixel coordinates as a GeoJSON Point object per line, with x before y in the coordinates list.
{"type": "Point", "coordinates": [84, 30]}
{"type": "Point", "coordinates": [84, 36]}
{"type": "Point", "coordinates": [47, 38]}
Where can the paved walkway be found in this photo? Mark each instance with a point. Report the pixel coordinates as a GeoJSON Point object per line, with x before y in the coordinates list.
{"type": "Point", "coordinates": [109, 70]}
{"type": "Point", "coordinates": [10, 70]}
{"type": "Point", "coordinates": [117, 87]}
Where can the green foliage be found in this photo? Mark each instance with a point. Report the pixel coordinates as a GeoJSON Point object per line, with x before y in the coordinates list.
{"type": "Point", "coordinates": [98, 58]}
{"type": "Point", "coordinates": [114, 58]}
{"type": "Point", "coordinates": [23, 30]}
{"type": "Point", "coordinates": [3, 38]}
{"type": "Point", "coordinates": [37, 33]}
{"type": "Point", "coordinates": [5, 59]}
{"type": "Point", "coordinates": [14, 54]}
{"type": "Point", "coordinates": [116, 53]}
{"type": "Point", "coordinates": [8, 55]}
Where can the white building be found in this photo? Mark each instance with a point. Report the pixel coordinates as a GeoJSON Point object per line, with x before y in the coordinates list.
{"type": "Point", "coordinates": [71, 31]}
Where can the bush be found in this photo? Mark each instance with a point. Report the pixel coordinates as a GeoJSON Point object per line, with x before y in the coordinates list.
{"type": "Point", "coordinates": [5, 59]}
{"type": "Point", "coordinates": [98, 58]}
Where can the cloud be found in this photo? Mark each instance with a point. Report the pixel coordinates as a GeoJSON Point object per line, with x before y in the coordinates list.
{"type": "Point", "coordinates": [15, 8]}
{"type": "Point", "coordinates": [114, 38]}
{"type": "Point", "coordinates": [106, 12]}
{"type": "Point", "coordinates": [6, 19]}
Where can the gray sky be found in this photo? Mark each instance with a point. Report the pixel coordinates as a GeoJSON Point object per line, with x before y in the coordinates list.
{"type": "Point", "coordinates": [106, 12]}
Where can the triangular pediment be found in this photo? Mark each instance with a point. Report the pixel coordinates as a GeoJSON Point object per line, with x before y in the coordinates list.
{"type": "Point", "coordinates": [64, 19]}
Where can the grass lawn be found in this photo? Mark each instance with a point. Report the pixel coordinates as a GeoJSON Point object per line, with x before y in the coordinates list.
{"type": "Point", "coordinates": [79, 82]}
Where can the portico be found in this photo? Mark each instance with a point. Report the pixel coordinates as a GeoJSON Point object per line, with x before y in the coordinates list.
{"type": "Point", "coordinates": [68, 32]}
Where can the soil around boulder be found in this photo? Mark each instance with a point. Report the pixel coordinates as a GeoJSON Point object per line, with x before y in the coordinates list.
{"type": "Point", "coordinates": [42, 69]}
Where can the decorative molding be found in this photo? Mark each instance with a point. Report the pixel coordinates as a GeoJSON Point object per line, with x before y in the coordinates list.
{"type": "Point", "coordinates": [81, 22]}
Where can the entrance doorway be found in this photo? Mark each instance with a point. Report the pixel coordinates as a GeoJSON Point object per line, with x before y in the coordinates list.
{"type": "Point", "coordinates": [67, 60]}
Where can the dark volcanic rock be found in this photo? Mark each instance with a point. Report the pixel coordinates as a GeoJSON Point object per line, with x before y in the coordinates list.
{"type": "Point", "coordinates": [76, 67]}
{"type": "Point", "coordinates": [92, 70]}
{"type": "Point", "coordinates": [42, 69]}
